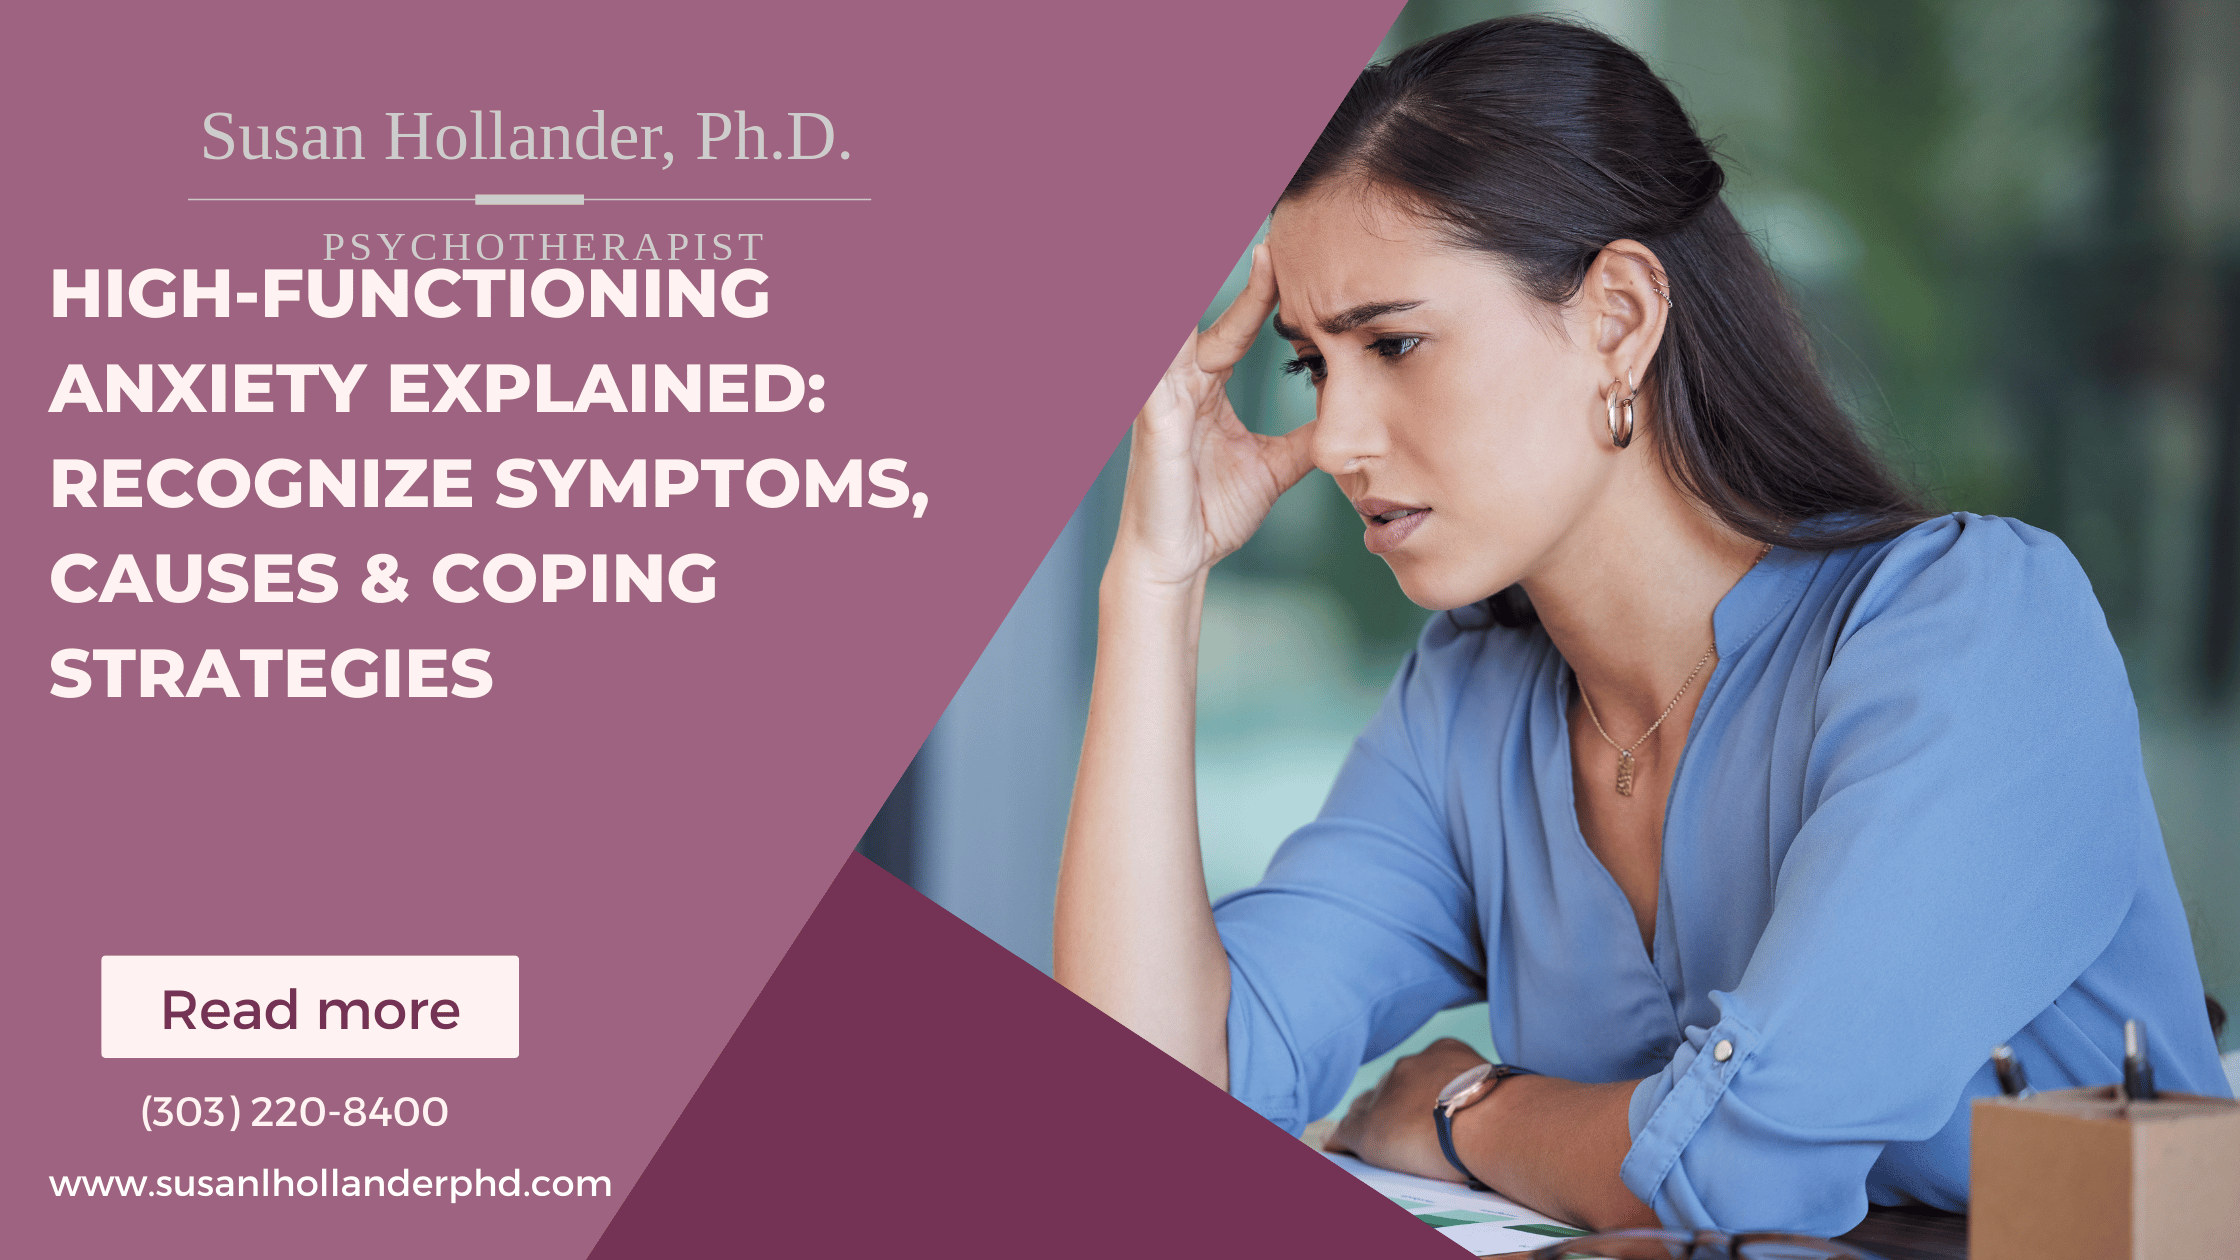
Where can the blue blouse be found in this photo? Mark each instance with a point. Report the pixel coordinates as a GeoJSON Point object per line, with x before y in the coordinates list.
{"type": "Point", "coordinates": [1910, 822]}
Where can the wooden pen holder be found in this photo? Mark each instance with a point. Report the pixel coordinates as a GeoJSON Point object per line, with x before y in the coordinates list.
{"type": "Point", "coordinates": [2080, 1174]}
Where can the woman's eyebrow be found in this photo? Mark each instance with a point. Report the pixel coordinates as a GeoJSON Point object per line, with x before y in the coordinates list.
{"type": "Point", "coordinates": [1347, 320]}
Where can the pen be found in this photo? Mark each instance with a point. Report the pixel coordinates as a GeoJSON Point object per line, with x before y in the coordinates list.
{"type": "Point", "coordinates": [2012, 1082]}
{"type": "Point", "coordinates": [2138, 1074]}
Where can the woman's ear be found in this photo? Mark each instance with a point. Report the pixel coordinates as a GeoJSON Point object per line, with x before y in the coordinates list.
{"type": "Point", "coordinates": [1626, 298]}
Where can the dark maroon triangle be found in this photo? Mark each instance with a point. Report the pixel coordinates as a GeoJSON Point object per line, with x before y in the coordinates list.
{"type": "Point", "coordinates": [906, 1087]}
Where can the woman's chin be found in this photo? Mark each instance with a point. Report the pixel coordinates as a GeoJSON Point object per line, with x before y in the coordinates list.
{"type": "Point", "coordinates": [1433, 590]}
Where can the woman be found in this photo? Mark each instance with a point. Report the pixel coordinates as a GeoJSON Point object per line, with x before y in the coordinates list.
{"type": "Point", "coordinates": [1756, 801]}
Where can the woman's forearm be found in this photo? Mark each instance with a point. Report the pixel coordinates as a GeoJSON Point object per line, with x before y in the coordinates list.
{"type": "Point", "coordinates": [1555, 1146]}
{"type": "Point", "coordinates": [1135, 933]}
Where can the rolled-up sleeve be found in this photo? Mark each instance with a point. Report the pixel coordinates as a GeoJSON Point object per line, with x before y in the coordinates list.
{"type": "Point", "coordinates": [1976, 816]}
{"type": "Point", "coordinates": [1363, 926]}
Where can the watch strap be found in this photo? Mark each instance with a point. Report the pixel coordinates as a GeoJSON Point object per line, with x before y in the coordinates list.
{"type": "Point", "coordinates": [1444, 1120]}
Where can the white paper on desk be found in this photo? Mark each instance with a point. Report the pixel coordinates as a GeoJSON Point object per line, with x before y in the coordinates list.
{"type": "Point", "coordinates": [1483, 1223]}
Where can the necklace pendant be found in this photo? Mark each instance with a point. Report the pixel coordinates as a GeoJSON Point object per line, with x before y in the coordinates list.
{"type": "Point", "coordinates": [1625, 774]}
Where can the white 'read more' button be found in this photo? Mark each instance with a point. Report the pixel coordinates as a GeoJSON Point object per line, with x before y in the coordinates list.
{"type": "Point", "coordinates": [314, 1006]}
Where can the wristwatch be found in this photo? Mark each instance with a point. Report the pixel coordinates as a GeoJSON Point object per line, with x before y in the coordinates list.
{"type": "Point", "coordinates": [1470, 1087]}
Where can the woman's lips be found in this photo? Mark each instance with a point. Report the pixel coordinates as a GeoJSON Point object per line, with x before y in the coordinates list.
{"type": "Point", "coordinates": [1389, 523]}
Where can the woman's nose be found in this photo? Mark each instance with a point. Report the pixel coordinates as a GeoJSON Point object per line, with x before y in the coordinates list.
{"type": "Point", "coordinates": [1347, 434]}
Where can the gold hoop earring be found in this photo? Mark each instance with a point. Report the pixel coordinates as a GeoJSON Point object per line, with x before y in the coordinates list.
{"type": "Point", "coordinates": [1618, 438]}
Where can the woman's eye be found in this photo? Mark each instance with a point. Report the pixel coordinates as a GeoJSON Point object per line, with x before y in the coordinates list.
{"type": "Point", "coordinates": [1383, 347]}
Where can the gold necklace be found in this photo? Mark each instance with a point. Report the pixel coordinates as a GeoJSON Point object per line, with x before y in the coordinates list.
{"type": "Point", "coordinates": [1625, 755]}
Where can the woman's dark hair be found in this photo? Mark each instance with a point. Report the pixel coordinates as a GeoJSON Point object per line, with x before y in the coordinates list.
{"type": "Point", "coordinates": [1542, 142]}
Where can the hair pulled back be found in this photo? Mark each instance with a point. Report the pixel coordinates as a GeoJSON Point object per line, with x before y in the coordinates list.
{"type": "Point", "coordinates": [1542, 142]}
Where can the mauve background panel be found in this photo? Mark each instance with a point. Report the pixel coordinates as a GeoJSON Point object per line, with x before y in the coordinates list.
{"type": "Point", "coordinates": [653, 797]}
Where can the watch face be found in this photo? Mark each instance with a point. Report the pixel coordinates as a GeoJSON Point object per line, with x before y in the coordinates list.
{"type": "Point", "coordinates": [1461, 1086]}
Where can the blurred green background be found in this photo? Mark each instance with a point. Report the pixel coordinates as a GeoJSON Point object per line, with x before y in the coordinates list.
{"type": "Point", "coordinates": [2014, 229]}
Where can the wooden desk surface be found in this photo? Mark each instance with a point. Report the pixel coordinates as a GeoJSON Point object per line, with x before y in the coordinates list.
{"type": "Point", "coordinates": [1912, 1233]}
{"type": "Point", "coordinates": [1906, 1234]}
